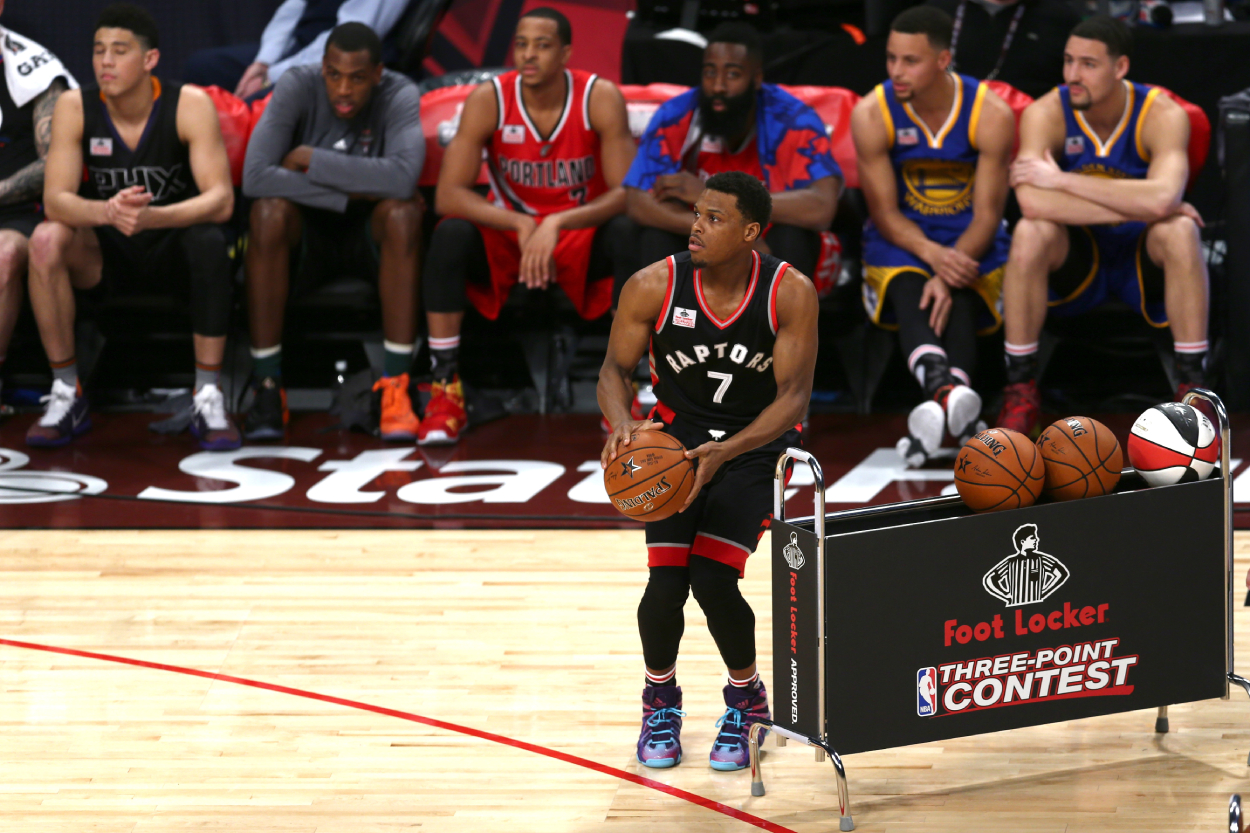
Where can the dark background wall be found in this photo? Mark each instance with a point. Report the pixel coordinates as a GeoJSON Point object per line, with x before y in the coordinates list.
{"type": "Point", "coordinates": [66, 27]}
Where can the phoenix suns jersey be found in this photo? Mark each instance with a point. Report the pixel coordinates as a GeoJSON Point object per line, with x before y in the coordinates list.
{"type": "Point", "coordinates": [716, 373]}
{"type": "Point", "coordinates": [541, 175]}
{"type": "Point", "coordinates": [160, 162]}
{"type": "Point", "coordinates": [935, 172]}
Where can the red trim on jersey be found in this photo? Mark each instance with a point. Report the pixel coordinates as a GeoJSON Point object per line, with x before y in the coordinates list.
{"type": "Point", "coordinates": [669, 556]}
{"type": "Point", "coordinates": [665, 413]}
{"type": "Point", "coordinates": [668, 295]}
{"type": "Point", "coordinates": [735, 555]}
{"type": "Point", "coordinates": [772, 295]}
{"type": "Point", "coordinates": [746, 297]}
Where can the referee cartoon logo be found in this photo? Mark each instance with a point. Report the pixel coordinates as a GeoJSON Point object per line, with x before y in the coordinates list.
{"type": "Point", "coordinates": [793, 552]}
{"type": "Point", "coordinates": [1027, 576]}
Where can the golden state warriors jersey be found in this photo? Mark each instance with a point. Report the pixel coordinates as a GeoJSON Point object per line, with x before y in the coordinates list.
{"type": "Point", "coordinates": [935, 172]}
{"type": "Point", "coordinates": [1122, 156]}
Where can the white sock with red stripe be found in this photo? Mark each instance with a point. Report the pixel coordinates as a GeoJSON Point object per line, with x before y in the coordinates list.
{"type": "Point", "coordinates": [667, 678]}
{"type": "Point", "coordinates": [749, 682]}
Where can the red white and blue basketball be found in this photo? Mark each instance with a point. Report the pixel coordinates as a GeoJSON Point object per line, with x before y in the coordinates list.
{"type": "Point", "coordinates": [1173, 443]}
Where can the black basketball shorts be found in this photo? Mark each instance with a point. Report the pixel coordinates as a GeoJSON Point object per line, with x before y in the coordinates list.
{"type": "Point", "coordinates": [728, 517]}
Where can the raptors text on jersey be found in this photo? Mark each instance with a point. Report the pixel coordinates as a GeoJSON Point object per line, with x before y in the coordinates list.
{"type": "Point", "coordinates": [717, 373]}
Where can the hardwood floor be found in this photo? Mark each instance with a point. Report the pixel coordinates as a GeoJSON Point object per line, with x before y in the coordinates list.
{"type": "Point", "coordinates": [527, 635]}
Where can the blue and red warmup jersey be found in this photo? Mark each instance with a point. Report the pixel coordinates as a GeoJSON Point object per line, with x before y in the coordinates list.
{"type": "Point", "coordinates": [791, 141]}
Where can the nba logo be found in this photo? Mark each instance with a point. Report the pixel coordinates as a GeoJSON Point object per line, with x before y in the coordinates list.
{"type": "Point", "coordinates": [1074, 145]}
{"type": "Point", "coordinates": [908, 136]}
{"type": "Point", "coordinates": [926, 691]}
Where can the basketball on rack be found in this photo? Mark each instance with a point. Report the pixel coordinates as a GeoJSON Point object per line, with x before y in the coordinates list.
{"type": "Point", "coordinates": [999, 469]}
{"type": "Point", "coordinates": [650, 478]}
{"type": "Point", "coordinates": [1082, 457]}
{"type": "Point", "coordinates": [1173, 443]}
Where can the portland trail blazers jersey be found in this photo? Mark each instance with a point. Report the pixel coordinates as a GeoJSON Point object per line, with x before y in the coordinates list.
{"type": "Point", "coordinates": [160, 162]}
{"type": "Point", "coordinates": [717, 373]}
{"type": "Point", "coordinates": [541, 175]}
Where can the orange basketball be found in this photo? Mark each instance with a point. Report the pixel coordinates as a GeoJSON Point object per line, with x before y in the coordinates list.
{"type": "Point", "coordinates": [1082, 456]}
{"type": "Point", "coordinates": [999, 469]}
{"type": "Point", "coordinates": [650, 478]}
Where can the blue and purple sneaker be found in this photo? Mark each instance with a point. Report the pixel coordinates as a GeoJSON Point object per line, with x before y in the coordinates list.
{"type": "Point", "coordinates": [731, 749]}
{"type": "Point", "coordinates": [659, 744]}
{"type": "Point", "coordinates": [66, 417]}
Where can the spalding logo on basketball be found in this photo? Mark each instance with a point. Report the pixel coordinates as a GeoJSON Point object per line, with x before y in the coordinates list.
{"type": "Point", "coordinates": [1173, 443]}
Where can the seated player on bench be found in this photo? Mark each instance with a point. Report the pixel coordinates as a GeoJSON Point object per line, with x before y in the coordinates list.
{"type": "Point", "coordinates": [733, 121]}
{"type": "Point", "coordinates": [933, 148]}
{"type": "Point", "coordinates": [147, 213]}
{"type": "Point", "coordinates": [557, 145]}
{"type": "Point", "coordinates": [333, 166]}
{"type": "Point", "coordinates": [26, 103]}
{"type": "Point", "coordinates": [1100, 178]}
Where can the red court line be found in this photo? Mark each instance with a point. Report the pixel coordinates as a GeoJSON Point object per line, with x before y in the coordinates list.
{"type": "Point", "coordinates": [708, 803]}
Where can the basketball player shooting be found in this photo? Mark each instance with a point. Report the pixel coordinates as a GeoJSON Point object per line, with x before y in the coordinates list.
{"type": "Point", "coordinates": [732, 340]}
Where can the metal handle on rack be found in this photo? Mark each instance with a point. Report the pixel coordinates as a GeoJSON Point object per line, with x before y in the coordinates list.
{"type": "Point", "coordinates": [1221, 415]}
{"type": "Point", "coordinates": [779, 512]}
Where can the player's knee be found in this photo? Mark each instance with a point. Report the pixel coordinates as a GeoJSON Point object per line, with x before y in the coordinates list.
{"type": "Point", "coordinates": [714, 585]}
{"type": "Point", "coordinates": [1032, 238]}
{"type": "Point", "coordinates": [1177, 234]}
{"type": "Point", "coordinates": [48, 244]}
{"type": "Point", "coordinates": [400, 220]}
{"type": "Point", "coordinates": [454, 232]}
{"type": "Point", "coordinates": [12, 257]}
{"type": "Point", "coordinates": [667, 590]}
{"type": "Point", "coordinates": [268, 221]}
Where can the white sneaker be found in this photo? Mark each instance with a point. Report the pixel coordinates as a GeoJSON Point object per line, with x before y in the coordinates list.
{"type": "Point", "coordinates": [963, 407]}
{"type": "Point", "coordinates": [210, 405]}
{"type": "Point", "coordinates": [60, 400]}
{"type": "Point", "coordinates": [912, 452]}
{"type": "Point", "coordinates": [926, 424]}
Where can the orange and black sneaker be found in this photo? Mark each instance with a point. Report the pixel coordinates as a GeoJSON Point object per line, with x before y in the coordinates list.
{"type": "Point", "coordinates": [1022, 407]}
{"type": "Point", "coordinates": [268, 417]}
{"type": "Point", "coordinates": [445, 416]}
{"type": "Point", "coordinates": [398, 423]}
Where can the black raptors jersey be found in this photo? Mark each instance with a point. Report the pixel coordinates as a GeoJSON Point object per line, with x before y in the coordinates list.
{"type": "Point", "coordinates": [160, 163]}
{"type": "Point", "coordinates": [714, 373]}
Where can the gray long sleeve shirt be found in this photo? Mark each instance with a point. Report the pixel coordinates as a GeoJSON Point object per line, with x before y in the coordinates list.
{"type": "Point", "coordinates": [378, 153]}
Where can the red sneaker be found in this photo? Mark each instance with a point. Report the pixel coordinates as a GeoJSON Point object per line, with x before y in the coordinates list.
{"type": "Point", "coordinates": [445, 416]}
{"type": "Point", "coordinates": [398, 423]}
{"type": "Point", "coordinates": [1022, 406]}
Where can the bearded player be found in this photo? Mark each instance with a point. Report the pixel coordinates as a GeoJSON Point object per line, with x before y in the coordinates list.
{"type": "Point", "coordinates": [732, 340]}
{"type": "Point", "coordinates": [1100, 178]}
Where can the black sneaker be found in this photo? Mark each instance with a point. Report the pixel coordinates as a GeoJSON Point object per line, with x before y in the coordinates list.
{"type": "Point", "coordinates": [268, 416]}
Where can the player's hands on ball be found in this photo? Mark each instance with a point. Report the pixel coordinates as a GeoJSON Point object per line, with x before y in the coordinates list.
{"type": "Point", "coordinates": [538, 265]}
{"type": "Point", "coordinates": [709, 458]}
{"type": "Point", "coordinates": [621, 437]}
{"type": "Point", "coordinates": [936, 298]}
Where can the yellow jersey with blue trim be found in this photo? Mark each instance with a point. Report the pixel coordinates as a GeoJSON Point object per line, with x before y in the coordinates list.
{"type": "Point", "coordinates": [935, 172]}
{"type": "Point", "coordinates": [1122, 155]}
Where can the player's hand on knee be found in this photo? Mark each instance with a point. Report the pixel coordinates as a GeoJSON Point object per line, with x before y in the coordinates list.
{"type": "Point", "coordinates": [622, 435]}
{"type": "Point", "coordinates": [955, 268]}
{"type": "Point", "coordinates": [1187, 210]}
{"type": "Point", "coordinates": [708, 459]}
{"type": "Point", "coordinates": [936, 298]}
